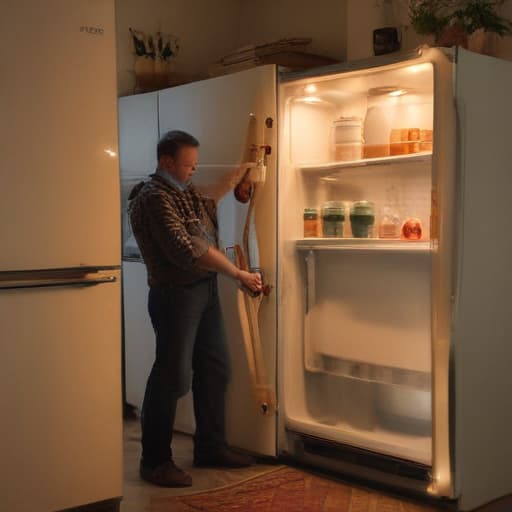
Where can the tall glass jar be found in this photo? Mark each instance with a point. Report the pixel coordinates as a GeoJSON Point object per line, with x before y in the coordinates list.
{"type": "Point", "coordinates": [333, 215]}
{"type": "Point", "coordinates": [362, 218]}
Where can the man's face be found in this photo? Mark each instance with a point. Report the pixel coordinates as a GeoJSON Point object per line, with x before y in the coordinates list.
{"type": "Point", "coordinates": [183, 165]}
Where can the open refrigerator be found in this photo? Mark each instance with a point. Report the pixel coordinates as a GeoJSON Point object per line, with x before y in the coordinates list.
{"type": "Point", "coordinates": [386, 347]}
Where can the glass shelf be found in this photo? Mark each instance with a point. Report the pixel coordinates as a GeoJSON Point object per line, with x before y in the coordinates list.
{"type": "Point", "coordinates": [363, 244]}
{"type": "Point", "coordinates": [332, 166]}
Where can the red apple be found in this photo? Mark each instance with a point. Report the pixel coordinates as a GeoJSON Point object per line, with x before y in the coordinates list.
{"type": "Point", "coordinates": [411, 229]}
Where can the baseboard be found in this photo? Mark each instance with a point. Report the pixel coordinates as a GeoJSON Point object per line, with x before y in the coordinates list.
{"type": "Point", "coordinates": [112, 505]}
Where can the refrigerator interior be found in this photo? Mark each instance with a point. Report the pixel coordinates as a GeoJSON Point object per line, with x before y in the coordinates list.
{"type": "Point", "coordinates": [355, 328]}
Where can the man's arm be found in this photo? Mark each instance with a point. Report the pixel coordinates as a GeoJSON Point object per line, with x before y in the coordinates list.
{"type": "Point", "coordinates": [217, 191]}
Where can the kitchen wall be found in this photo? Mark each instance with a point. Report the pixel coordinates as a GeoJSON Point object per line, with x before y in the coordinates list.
{"type": "Point", "coordinates": [341, 29]}
{"type": "Point", "coordinates": [209, 29]}
{"type": "Point", "coordinates": [366, 15]}
{"type": "Point", "coordinates": [325, 21]}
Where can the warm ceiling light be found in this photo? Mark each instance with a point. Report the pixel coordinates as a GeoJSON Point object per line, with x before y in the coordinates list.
{"type": "Point", "coordinates": [110, 153]}
{"type": "Point", "coordinates": [310, 89]}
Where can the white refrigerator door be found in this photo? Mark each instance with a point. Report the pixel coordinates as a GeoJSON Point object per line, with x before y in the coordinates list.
{"type": "Point", "coordinates": [139, 339]}
{"type": "Point", "coordinates": [59, 199]}
{"type": "Point", "coordinates": [61, 428]}
{"type": "Point", "coordinates": [218, 113]}
{"type": "Point", "coordinates": [138, 134]}
{"type": "Point", "coordinates": [482, 322]}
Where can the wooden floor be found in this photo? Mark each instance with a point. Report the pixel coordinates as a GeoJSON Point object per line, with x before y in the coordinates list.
{"type": "Point", "coordinates": [138, 494]}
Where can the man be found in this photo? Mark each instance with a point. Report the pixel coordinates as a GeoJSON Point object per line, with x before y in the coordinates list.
{"type": "Point", "coordinates": [176, 229]}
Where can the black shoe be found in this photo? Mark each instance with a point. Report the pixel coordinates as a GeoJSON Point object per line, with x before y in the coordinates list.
{"type": "Point", "coordinates": [166, 475]}
{"type": "Point", "coordinates": [224, 458]}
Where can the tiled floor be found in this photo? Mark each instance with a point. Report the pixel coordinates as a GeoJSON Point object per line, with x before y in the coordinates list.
{"type": "Point", "coordinates": [137, 493]}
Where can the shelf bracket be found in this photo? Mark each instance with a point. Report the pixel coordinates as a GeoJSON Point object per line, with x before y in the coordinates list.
{"type": "Point", "coordinates": [310, 280]}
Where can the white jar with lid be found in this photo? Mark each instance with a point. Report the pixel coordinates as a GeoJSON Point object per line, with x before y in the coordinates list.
{"type": "Point", "coordinates": [377, 124]}
{"type": "Point", "coordinates": [348, 138]}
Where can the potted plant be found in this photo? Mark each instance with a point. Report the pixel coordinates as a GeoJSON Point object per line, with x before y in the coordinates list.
{"type": "Point", "coordinates": [430, 16]}
{"type": "Point", "coordinates": [483, 24]}
{"type": "Point", "coordinates": [473, 24]}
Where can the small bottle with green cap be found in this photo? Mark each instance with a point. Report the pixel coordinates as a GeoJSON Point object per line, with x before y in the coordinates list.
{"type": "Point", "coordinates": [310, 222]}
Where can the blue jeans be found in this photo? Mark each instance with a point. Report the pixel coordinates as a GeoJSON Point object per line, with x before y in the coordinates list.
{"type": "Point", "coordinates": [191, 349]}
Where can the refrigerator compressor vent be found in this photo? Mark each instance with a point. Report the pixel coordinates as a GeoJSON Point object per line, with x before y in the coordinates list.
{"type": "Point", "coordinates": [391, 466]}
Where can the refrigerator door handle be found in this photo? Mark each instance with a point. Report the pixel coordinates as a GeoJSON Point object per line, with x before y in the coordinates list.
{"type": "Point", "coordinates": [45, 283]}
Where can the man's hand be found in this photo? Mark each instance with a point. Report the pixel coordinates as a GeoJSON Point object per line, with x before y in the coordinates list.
{"type": "Point", "coordinates": [239, 173]}
{"type": "Point", "coordinates": [250, 280]}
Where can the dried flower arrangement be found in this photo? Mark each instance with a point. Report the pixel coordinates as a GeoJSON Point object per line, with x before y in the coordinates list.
{"type": "Point", "coordinates": [153, 58]}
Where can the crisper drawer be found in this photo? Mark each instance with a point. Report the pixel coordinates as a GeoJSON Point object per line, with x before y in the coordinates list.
{"type": "Point", "coordinates": [368, 307]}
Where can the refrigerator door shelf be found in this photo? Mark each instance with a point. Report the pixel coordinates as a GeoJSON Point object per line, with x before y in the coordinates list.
{"type": "Point", "coordinates": [408, 379]}
{"type": "Point", "coordinates": [424, 156]}
{"type": "Point", "coordinates": [363, 244]}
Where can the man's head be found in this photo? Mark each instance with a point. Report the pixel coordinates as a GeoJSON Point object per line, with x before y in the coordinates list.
{"type": "Point", "coordinates": [177, 154]}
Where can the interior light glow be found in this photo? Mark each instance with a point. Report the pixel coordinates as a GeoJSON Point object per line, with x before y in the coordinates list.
{"type": "Point", "coordinates": [312, 99]}
{"type": "Point", "coordinates": [398, 92]}
{"type": "Point", "coordinates": [310, 89]}
{"type": "Point", "coordinates": [111, 153]}
{"type": "Point", "coordinates": [418, 68]}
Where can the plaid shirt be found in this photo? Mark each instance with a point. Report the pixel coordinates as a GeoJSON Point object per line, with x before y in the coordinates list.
{"type": "Point", "coordinates": [173, 228]}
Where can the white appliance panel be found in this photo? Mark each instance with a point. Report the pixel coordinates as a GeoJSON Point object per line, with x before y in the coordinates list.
{"type": "Point", "coordinates": [139, 342]}
{"type": "Point", "coordinates": [61, 426]}
{"type": "Point", "coordinates": [59, 200]}
{"type": "Point", "coordinates": [138, 134]}
{"type": "Point", "coordinates": [200, 108]}
{"type": "Point", "coordinates": [482, 324]}
{"type": "Point", "coordinates": [216, 112]}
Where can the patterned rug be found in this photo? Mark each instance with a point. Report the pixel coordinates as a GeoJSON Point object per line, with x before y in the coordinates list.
{"type": "Point", "coordinates": [287, 490]}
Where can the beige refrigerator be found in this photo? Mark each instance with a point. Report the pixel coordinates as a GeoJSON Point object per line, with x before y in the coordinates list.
{"type": "Point", "coordinates": [60, 257]}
